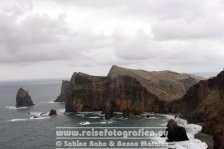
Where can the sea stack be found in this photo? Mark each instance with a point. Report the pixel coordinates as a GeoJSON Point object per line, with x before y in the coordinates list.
{"type": "Point", "coordinates": [175, 132]}
{"type": "Point", "coordinates": [109, 112]}
{"type": "Point", "coordinates": [23, 98]}
{"type": "Point", "coordinates": [52, 112]}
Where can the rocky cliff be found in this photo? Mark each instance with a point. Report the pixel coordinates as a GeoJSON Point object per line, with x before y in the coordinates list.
{"type": "Point", "coordinates": [166, 85]}
{"type": "Point", "coordinates": [138, 91]}
{"type": "Point", "coordinates": [204, 103]}
{"type": "Point", "coordinates": [23, 98]}
{"type": "Point", "coordinates": [65, 87]}
{"type": "Point", "coordinates": [90, 93]}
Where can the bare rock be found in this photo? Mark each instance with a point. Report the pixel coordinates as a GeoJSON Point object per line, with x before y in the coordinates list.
{"type": "Point", "coordinates": [125, 113]}
{"type": "Point", "coordinates": [53, 112]}
{"type": "Point", "coordinates": [23, 98]}
{"type": "Point", "coordinates": [175, 132]}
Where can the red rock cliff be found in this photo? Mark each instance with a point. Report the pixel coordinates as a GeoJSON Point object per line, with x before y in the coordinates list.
{"type": "Point", "coordinates": [89, 93]}
{"type": "Point", "coordinates": [204, 103]}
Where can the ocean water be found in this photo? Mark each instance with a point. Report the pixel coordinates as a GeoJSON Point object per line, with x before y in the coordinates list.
{"type": "Point", "coordinates": [19, 129]}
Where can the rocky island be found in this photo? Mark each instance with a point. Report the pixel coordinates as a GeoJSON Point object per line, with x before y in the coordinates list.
{"type": "Point", "coordinates": [23, 98]}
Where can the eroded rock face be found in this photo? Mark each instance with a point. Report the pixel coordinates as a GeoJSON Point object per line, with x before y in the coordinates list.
{"type": "Point", "coordinates": [91, 93]}
{"type": "Point", "coordinates": [23, 98]}
{"type": "Point", "coordinates": [166, 85]}
{"type": "Point", "coordinates": [175, 132]}
{"type": "Point", "coordinates": [109, 111]}
{"type": "Point", "coordinates": [63, 95]}
{"type": "Point", "coordinates": [204, 103]}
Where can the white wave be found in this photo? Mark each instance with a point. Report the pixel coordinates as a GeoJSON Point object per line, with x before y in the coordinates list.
{"type": "Point", "coordinates": [38, 118]}
{"type": "Point", "coordinates": [191, 129]}
{"type": "Point", "coordinates": [107, 122]}
{"type": "Point", "coordinates": [36, 113]}
{"type": "Point", "coordinates": [168, 116]}
{"type": "Point", "coordinates": [151, 117]}
{"type": "Point", "coordinates": [17, 119]}
{"type": "Point", "coordinates": [86, 112]}
{"type": "Point", "coordinates": [84, 123]}
{"type": "Point", "coordinates": [61, 111]}
{"type": "Point", "coordinates": [80, 114]}
{"type": "Point", "coordinates": [94, 117]}
{"type": "Point", "coordinates": [118, 113]}
{"type": "Point", "coordinates": [123, 118]}
{"type": "Point", "coordinates": [15, 108]}
{"type": "Point", "coordinates": [147, 113]}
{"type": "Point", "coordinates": [52, 101]}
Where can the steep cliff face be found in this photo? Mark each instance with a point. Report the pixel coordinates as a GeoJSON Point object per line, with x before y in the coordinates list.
{"type": "Point", "coordinates": [204, 103]}
{"type": "Point", "coordinates": [65, 87]}
{"type": "Point", "coordinates": [166, 85]}
{"type": "Point", "coordinates": [89, 93]}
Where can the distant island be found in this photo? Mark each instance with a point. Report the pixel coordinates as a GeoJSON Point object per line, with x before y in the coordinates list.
{"type": "Point", "coordinates": [137, 91]}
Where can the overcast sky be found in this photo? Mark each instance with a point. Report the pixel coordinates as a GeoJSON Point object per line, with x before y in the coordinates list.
{"type": "Point", "coordinates": [53, 38]}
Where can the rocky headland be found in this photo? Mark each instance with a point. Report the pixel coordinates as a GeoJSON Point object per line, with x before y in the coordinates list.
{"type": "Point", "coordinates": [136, 91]}
{"type": "Point", "coordinates": [166, 85]}
{"type": "Point", "coordinates": [128, 90]}
{"type": "Point", "coordinates": [94, 93]}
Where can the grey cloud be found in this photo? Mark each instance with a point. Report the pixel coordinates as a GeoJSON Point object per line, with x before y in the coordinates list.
{"type": "Point", "coordinates": [141, 49]}
{"type": "Point", "coordinates": [136, 47]}
{"type": "Point", "coordinates": [31, 39]}
{"type": "Point", "coordinates": [178, 35]}
{"type": "Point", "coordinates": [181, 29]}
{"type": "Point", "coordinates": [40, 38]}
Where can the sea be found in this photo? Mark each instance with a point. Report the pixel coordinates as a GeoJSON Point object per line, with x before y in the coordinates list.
{"type": "Point", "coordinates": [31, 127]}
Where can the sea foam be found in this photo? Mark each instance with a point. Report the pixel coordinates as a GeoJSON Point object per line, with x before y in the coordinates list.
{"type": "Point", "coordinates": [191, 129]}
{"type": "Point", "coordinates": [15, 108]}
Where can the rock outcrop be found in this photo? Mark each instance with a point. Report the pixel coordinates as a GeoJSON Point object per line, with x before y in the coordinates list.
{"type": "Point", "coordinates": [91, 93]}
{"type": "Point", "coordinates": [64, 89]}
{"type": "Point", "coordinates": [52, 112]}
{"type": "Point", "coordinates": [23, 98]}
{"type": "Point", "coordinates": [135, 91]}
{"type": "Point", "coordinates": [166, 85]}
{"type": "Point", "coordinates": [109, 111]}
{"type": "Point", "coordinates": [204, 103]}
{"type": "Point", "coordinates": [175, 132]}
{"type": "Point", "coordinates": [125, 113]}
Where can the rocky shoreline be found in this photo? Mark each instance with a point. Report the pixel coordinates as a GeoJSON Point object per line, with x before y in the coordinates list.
{"type": "Point", "coordinates": [208, 139]}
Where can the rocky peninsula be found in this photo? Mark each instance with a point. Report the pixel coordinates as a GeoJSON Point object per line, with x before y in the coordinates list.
{"type": "Point", "coordinates": [137, 91]}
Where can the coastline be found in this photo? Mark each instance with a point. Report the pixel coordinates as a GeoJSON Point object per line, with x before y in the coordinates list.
{"type": "Point", "coordinates": [208, 139]}
{"type": "Point", "coordinates": [197, 139]}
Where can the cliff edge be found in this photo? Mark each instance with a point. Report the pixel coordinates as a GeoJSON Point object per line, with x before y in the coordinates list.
{"type": "Point", "coordinates": [166, 85]}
